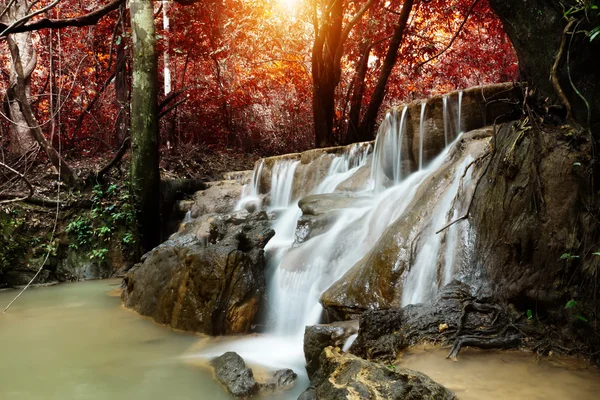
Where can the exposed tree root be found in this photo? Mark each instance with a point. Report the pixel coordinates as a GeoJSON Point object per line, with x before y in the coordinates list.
{"type": "Point", "coordinates": [507, 342]}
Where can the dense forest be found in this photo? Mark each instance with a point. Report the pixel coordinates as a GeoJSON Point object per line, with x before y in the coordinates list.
{"type": "Point", "coordinates": [370, 175]}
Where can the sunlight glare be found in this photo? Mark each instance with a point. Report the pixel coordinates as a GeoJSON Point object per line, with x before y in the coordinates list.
{"type": "Point", "coordinates": [289, 4]}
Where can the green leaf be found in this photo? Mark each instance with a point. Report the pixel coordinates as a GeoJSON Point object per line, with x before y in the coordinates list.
{"type": "Point", "coordinates": [529, 314]}
{"type": "Point", "coordinates": [581, 318]}
{"type": "Point", "coordinates": [577, 164]}
{"type": "Point", "coordinates": [570, 304]}
{"type": "Point", "coordinates": [594, 33]}
{"type": "Point", "coordinates": [597, 253]}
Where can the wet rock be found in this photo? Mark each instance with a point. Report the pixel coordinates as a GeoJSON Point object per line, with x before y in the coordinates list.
{"type": "Point", "coordinates": [230, 369]}
{"type": "Point", "coordinates": [281, 380]}
{"type": "Point", "coordinates": [345, 376]}
{"type": "Point", "coordinates": [359, 181]}
{"type": "Point", "coordinates": [320, 211]}
{"type": "Point", "coordinates": [318, 337]}
{"type": "Point", "coordinates": [219, 197]}
{"type": "Point", "coordinates": [320, 204]}
{"type": "Point", "coordinates": [528, 211]}
{"type": "Point", "coordinates": [212, 283]}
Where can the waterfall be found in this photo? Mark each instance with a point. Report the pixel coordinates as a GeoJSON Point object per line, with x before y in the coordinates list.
{"type": "Point", "coordinates": [421, 283]}
{"type": "Point", "coordinates": [388, 150]}
{"type": "Point", "coordinates": [421, 134]}
{"type": "Point", "coordinates": [446, 116]}
{"type": "Point", "coordinates": [250, 192]}
{"type": "Point", "coordinates": [459, 119]}
{"type": "Point", "coordinates": [298, 273]}
{"type": "Point", "coordinates": [282, 180]}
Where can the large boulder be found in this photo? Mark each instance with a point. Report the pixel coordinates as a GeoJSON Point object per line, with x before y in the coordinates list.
{"type": "Point", "coordinates": [317, 337]}
{"type": "Point", "coordinates": [230, 369]}
{"type": "Point", "coordinates": [208, 278]}
{"type": "Point", "coordinates": [345, 376]}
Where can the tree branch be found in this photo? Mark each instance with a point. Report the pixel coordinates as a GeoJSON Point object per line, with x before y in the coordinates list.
{"type": "Point", "coordinates": [115, 160]}
{"type": "Point", "coordinates": [45, 23]}
{"type": "Point", "coordinates": [453, 37]}
{"type": "Point", "coordinates": [23, 178]}
{"type": "Point", "coordinates": [166, 111]}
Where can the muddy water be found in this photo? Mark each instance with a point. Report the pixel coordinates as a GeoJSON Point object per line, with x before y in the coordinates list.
{"type": "Point", "coordinates": [491, 375]}
{"type": "Point", "coordinates": [74, 341]}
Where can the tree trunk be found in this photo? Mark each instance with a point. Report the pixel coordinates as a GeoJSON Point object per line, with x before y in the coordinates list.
{"type": "Point", "coordinates": [357, 94]}
{"type": "Point", "coordinates": [21, 139]}
{"type": "Point", "coordinates": [367, 126]}
{"type": "Point", "coordinates": [537, 31]}
{"type": "Point", "coordinates": [18, 91]}
{"type": "Point", "coordinates": [326, 73]}
{"type": "Point", "coordinates": [122, 102]}
{"type": "Point", "coordinates": [145, 178]}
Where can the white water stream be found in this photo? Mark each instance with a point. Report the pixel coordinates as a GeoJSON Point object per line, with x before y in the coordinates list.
{"type": "Point", "coordinates": [298, 273]}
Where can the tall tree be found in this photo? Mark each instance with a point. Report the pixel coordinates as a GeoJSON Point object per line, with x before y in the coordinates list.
{"type": "Point", "coordinates": [366, 128]}
{"type": "Point", "coordinates": [21, 139]}
{"type": "Point", "coordinates": [327, 52]}
{"type": "Point", "coordinates": [145, 177]}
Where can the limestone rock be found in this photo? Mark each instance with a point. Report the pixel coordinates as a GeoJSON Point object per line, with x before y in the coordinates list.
{"type": "Point", "coordinates": [318, 337]}
{"type": "Point", "coordinates": [219, 197]}
{"type": "Point", "coordinates": [345, 376]}
{"type": "Point", "coordinates": [213, 284]}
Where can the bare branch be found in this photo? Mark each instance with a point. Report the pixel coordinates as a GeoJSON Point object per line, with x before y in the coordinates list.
{"type": "Point", "coordinates": [24, 179]}
{"type": "Point", "coordinates": [44, 23]}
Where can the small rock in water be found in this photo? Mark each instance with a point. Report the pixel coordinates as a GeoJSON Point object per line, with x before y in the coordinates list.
{"type": "Point", "coordinates": [231, 371]}
{"type": "Point", "coordinates": [281, 379]}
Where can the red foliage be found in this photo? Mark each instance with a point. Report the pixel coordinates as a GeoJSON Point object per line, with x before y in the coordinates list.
{"type": "Point", "coordinates": [245, 65]}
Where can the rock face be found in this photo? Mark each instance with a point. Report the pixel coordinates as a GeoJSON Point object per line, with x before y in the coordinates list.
{"type": "Point", "coordinates": [317, 337]}
{"type": "Point", "coordinates": [528, 211]}
{"type": "Point", "coordinates": [376, 281]}
{"type": "Point", "coordinates": [208, 278]}
{"type": "Point", "coordinates": [219, 197]}
{"type": "Point", "coordinates": [231, 371]}
{"type": "Point", "coordinates": [345, 376]}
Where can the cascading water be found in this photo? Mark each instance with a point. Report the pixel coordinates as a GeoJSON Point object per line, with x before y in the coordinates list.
{"type": "Point", "coordinates": [250, 192]}
{"type": "Point", "coordinates": [421, 283]}
{"type": "Point", "coordinates": [388, 146]}
{"type": "Point", "coordinates": [298, 273]}
{"type": "Point", "coordinates": [459, 118]}
{"type": "Point", "coordinates": [446, 119]}
{"type": "Point", "coordinates": [421, 134]}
